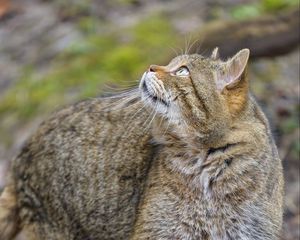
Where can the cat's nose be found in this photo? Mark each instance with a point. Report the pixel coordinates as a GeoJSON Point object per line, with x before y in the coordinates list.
{"type": "Point", "coordinates": [153, 68]}
{"type": "Point", "coordinates": [156, 68]}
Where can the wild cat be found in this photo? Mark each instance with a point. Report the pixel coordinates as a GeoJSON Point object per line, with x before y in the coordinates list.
{"type": "Point", "coordinates": [207, 168]}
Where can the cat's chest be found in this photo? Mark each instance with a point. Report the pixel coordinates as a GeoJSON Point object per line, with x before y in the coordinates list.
{"type": "Point", "coordinates": [185, 161]}
{"type": "Point", "coordinates": [207, 221]}
{"type": "Point", "coordinates": [199, 219]}
{"type": "Point", "coordinates": [196, 169]}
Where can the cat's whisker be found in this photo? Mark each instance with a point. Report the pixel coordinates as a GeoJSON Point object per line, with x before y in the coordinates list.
{"type": "Point", "coordinates": [149, 116]}
{"type": "Point", "coordinates": [132, 118]}
{"type": "Point", "coordinates": [121, 102]}
{"type": "Point", "coordinates": [187, 45]}
{"type": "Point", "coordinates": [125, 104]}
{"type": "Point", "coordinates": [146, 99]}
{"type": "Point", "coordinates": [123, 84]}
{"type": "Point", "coordinates": [108, 90]}
{"type": "Point", "coordinates": [121, 93]}
{"type": "Point", "coordinates": [179, 50]}
{"type": "Point", "coordinates": [161, 120]}
{"type": "Point", "coordinates": [168, 124]}
{"type": "Point", "coordinates": [149, 124]}
{"type": "Point", "coordinates": [155, 113]}
{"type": "Point", "coordinates": [124, 95]}
{"type": "Point", "coordinates": [174, 50]}
{"type": "Point", "coordinates": [137, 112]}
{"type": "Point", "coordinates": [199, 45]}
{"type": "Point", "coordinates": [117, 104]}
{"type": "Point", "coordinates": [192, 45]}
{"type": "Point", "coordinates": [186, 124]}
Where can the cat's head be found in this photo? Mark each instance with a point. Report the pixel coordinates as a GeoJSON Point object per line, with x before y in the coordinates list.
{"type": "Point", "coordinates": [197, 93]}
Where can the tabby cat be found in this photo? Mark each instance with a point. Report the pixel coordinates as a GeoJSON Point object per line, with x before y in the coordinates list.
{"type": "Point", "coordinates": [188, 155]}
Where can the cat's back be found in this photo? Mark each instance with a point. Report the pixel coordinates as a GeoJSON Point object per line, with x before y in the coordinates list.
{"type": "Point", "coordinates": [82, 173]}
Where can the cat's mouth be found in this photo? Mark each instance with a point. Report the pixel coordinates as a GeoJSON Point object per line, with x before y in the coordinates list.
{"type": "Point", "coordinates": [150, 95]}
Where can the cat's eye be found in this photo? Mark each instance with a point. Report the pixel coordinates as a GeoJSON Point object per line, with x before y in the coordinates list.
{"type": "Point", "coordinates": [182, 71]}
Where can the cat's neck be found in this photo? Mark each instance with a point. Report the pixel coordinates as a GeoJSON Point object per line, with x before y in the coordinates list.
{"type": "Point", "coordinates": [180, 135]}
{"type": "Point", "coordinates": [186, 151]}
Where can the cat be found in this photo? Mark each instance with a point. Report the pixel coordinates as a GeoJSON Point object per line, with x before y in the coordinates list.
{"type": "Point", "coordinates": [187, 155]}
{"type": "Point", "coordinates": [218, 174]}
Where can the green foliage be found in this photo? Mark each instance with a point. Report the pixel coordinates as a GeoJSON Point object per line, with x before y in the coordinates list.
{"type": "Point", "coordinates": [296, 149]}
{"type": "Point", "coordinates": [255, 9]}
{"type": "Point", "coordinates": [246, 11]}
{"type": "Point", "coordinates": [274, 5]}
{"type": "Point", "coordinates": [289, 125]}
{"type": "Point", "coordinates": [82, 70]}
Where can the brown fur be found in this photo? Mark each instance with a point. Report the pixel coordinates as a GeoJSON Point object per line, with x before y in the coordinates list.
{"type": "Point", "coordinates": [217, 174]}
{"type": "Point", "coordinates": [9, 220]}
{"type": "Point", "coordinates": [196, 162]}
{"type": "Point", "coordinates": [80, 176]}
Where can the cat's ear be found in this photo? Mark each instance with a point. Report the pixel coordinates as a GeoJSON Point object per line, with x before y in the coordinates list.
{"type": "Point", "coordinates": [233, 71]}
{"type": "Point", "coordinates": [215, 54]}
{"type": "Point", "coordinates": [232, 81]}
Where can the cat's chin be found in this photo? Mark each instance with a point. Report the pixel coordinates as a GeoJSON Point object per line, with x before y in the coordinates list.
{"type": "Point", "coordinates": [154, 99]}
{"type": "Point", "coordinates": [148, 94]}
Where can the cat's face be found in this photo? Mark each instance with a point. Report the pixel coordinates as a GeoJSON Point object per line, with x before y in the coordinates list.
{"type": "Point", "coordinates": [193, 91]}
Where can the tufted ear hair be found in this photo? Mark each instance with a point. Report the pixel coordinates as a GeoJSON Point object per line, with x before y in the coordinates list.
{"type": "Point", "coordinates": [233, 71]}
{"type": "Point", "coordinates": [232, 81]}
{"type": "Point", "coordinates": [215, 54]}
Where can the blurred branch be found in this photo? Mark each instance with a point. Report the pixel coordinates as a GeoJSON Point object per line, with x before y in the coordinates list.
{"type": "Point", "coordinates": [4, 7]}
{"type": "Point", "coordinates": [266, 36]}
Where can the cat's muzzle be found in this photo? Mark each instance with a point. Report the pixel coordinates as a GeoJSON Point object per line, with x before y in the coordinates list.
{"type": "Point", "coordinates": [151, 89]}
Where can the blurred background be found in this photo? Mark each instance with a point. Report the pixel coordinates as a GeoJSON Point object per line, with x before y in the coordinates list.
{"type": "Point", "coordinates": [57, 52]}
